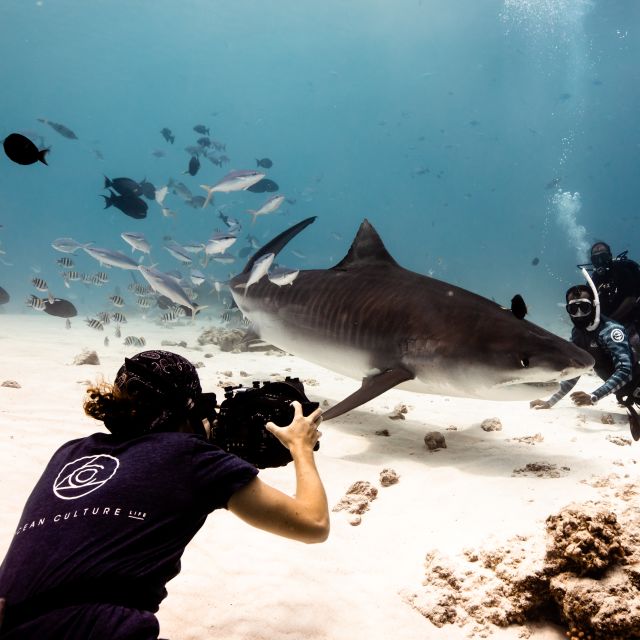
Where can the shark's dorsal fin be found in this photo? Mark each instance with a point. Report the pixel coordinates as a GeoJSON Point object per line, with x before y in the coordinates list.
{"type": "Point", "coordinates": [366, 247]}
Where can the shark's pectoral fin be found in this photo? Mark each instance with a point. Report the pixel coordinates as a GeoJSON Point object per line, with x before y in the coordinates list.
{"type": "Point", "coordinates": [371, 388]}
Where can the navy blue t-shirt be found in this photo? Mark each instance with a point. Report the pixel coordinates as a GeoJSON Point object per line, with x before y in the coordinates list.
{"type": "Point", "coordinates": [109, 519]}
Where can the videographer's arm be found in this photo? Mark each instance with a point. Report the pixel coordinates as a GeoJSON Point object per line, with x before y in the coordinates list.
{"type": "Point", "coordinates": [303, 517]}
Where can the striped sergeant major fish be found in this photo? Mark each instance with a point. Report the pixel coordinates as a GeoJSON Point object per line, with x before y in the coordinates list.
{"type": "Point", "coordinates": [175, 313]}
{"type": "Point", "coordinates": [143, 303]}
{"type": "Point", "coordinates": [134, 341]}
{"type": "Point", "coordinates": [118, 317]}
{"type": "Point", "coordinates": [94, 324]}
{"type": "Point", "coordinates": [65, 262]}
{"type": "Point", "coordinates": [118, 301]}
{"type": "Point", "coordinates": [39, 304]}
{"type": "Point", "coordinates": [39, 284]}
{"type": "Point", "coordinates": [140, 289]}
{"type": "Point", "coordinates": [104, 317]}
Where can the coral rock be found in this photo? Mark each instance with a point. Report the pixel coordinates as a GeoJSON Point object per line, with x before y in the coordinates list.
{"type": "Point", "coordinates": [87, 357]}
{"type": "Point", "coordinates": [388, 477]}
{"type": "Point", "coordinates": [434, 440]}
{"type": "Point", "coordinates": [491, 424]}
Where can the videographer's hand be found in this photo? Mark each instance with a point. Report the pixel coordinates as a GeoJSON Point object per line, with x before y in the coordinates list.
{"type": "Point", "coordinates": [302, 433]}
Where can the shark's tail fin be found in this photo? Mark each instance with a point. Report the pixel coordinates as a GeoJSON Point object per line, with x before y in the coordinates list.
{"type": "Point", "coordinates": [278, 243]}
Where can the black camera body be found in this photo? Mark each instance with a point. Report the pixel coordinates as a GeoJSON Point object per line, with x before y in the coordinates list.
{"type": "Point", "coordinates": [239, 427]}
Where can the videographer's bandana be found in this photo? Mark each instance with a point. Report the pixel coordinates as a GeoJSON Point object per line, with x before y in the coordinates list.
{"type": "Point", "coordinates": [166, 383]}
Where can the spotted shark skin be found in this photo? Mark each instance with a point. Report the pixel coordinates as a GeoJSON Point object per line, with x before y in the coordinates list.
{"type": "Point", "coordinates": [370, 319]}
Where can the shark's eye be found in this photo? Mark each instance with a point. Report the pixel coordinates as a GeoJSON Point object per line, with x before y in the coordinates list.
{"type": "Point", "coordinates": [524, 361]}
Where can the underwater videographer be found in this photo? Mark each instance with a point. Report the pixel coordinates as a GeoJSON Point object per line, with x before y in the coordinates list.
{"type": "Point", "coordinates": [105, 527]}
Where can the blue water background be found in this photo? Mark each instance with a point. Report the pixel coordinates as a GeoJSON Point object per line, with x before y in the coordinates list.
{"type": "Point", "coordinates": [443, 123]}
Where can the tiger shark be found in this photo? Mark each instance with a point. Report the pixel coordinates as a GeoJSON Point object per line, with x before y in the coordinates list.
{"type": "Point", "coordinates": [370, 319]}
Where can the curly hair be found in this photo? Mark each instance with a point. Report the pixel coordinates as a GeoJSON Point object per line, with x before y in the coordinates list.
{"type": "Point", "coordinates": [107, 403]}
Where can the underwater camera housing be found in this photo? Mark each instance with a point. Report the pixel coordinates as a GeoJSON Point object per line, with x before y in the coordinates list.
{"type": "Point", "coordinates": [242, 416]}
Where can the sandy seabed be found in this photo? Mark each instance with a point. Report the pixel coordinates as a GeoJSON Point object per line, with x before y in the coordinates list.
{"type": "Point", "coordinates": [369, 580]}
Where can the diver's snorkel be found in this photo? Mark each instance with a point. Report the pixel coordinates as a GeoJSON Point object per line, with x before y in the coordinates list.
{"type": "Point", "coordinates": [596, 300]}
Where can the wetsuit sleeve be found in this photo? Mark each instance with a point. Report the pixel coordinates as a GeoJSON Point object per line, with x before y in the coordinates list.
{"type": "Point", "coordinates": [565, 387]}
{"type": "Point", "coordinates": [615, 341]}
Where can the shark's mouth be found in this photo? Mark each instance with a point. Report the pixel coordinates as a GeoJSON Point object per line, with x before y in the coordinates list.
{"type": "Point", "coordinates": [543, 386]}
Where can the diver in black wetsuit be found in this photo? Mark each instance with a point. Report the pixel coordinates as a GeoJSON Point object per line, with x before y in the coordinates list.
{"type": "Point", "coordinates": [615, 362]}
{"type": "Point", "coordinates": [618, 284]}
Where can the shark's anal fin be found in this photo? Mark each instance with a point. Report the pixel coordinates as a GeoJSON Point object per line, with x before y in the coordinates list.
{"type": "Point", "coordinates": [371, 388]}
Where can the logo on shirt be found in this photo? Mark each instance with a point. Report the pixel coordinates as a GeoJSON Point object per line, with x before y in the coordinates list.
{"type": "Point", "coordinates": [84, 475]}
{"type": "Point", "coordinates": [617, 335]}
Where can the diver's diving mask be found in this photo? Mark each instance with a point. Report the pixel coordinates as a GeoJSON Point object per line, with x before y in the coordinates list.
{"type": "Point", "coordinates": [579, 308]}
{"type": "Point", "coordinates": [601, 260]}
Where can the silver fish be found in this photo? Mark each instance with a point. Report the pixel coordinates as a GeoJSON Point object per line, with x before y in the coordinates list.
{"type": "Point", "coordinates": [233, 181]}
{"type": "Point", "coordinates": [270, 206]}
{"type": "Point", "coordinates": [282, 276]}
{"type": "Point", "coordinates": [258, 271]}
{"type": "Point", "coordinates": [68, 245]}
{"type": "Point", "coordinates": [136, 241]}
{"type": "Point", "coordinates": [167, 286]}
{"type": "Point", "coordinates": [111, 258]}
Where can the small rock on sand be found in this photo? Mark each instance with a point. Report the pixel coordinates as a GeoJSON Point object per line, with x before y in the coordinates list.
{"type": "Point", "coordinates": [388, 477]}
{"type": "Point", "coordinates": [491, 424]}
{"type": "Point", "coordinates": [383, 432]}
{"type": "Point", "coordinates": [11, 383]}
{"type": "Point", "coordinates": [619, 440]}
{"type": "Point", "coordinates": [173, 343]}
{"type": "Point", "coordinates": [398, 412]}
{"type": "Point", "coordinates": [87, 357]}
{"type": "Point", "coordinates": [357, 498]}
{"type": "Point", "coordinates": [434, 440]}
{"type": "Point", "coordinates": [607, 418]}
{"type": "Point", "coordinates": [541, 470]}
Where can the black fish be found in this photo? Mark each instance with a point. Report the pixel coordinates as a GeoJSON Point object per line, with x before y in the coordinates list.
{"type": "Point", "coordinates": [124, 186]}
{"type": "Point", "coordinates": [131, 206]}
{"type": "Point", "coordinates": [167, 135]}
{"type": "Point", "coordinates": [535, 262]}
{"type": "Point", "coordinates": [518, 307]}
{"type": "Point", "coordinates": [4, 296]}
{"type": "Point", "coordinates": [60, 128]}
{"type": "Point", "coordinates": [22, 151]}
{"type": "Point", "coordinates": [60, 308]}
{"type": "Point", "coordinates": [263, 185]}
{"type": "Point", "coordinates": [264, 162]}
{"type": "Point", "coordinates": [148, 190]}
{"type": "Point", "coordinates": [194, 165]}
{"type": "Point", "coordinates": [200, 128]}
{"type": "Point", "coordinates": [204, 141]}
{"type": "Point", "coordinates": [197, 202]}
